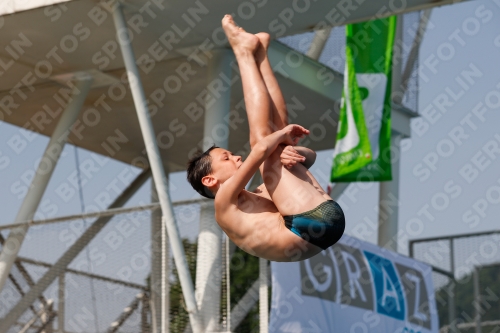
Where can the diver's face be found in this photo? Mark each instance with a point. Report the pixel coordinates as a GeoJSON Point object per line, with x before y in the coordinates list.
{"type": "Point", "coordinates": [224, 164]}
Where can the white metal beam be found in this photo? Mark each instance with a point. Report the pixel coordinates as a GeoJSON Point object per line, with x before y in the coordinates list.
{"type": "Point", "coordinates": [43, 311]}
{"type": "Point", "coordinates": [400, 122]}
{"type": "Point", "coordinates": [126, 313]}
{"type": "Point", "coordinates": [209, 268]}
{"type": "Point", "coordinates": [85, 274]}
{"type": "Point", "coordinates": [20, 290]}
{"type": "Point", "coordinates": [26, 277]}
{"type": "Point", "coordinates": [263, 296]}
{"type": "Point", "coordinates": [154, 157]}
{"type": "Point", "coordinates": [388, 209]}
{"type": "Point", "coordinates": [215, 127]}
{"type": "Point", "coordinates": [42, 176]}
{"type": "Point", "coordinates": [412, 56]}
{"type": "Point", "coordinates": [209, 253]}
{"type": "Point", "coordinates": [103, 213]}
{"type": "Point", "coordinates": [159, 270]}
{"type": "Point", "coordinates": [284, 61]}
{"type": "Point", "coordinates": [318, 43]}
{"type": "Point", "coordinates": [69, 255]}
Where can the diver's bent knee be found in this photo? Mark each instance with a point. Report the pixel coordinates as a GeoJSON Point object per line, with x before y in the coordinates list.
{"type": "Point", "coordinates": [258, 136]}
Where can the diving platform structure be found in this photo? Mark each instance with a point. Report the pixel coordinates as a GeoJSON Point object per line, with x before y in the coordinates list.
{"type": "Point", "coordinates": [86, 71]}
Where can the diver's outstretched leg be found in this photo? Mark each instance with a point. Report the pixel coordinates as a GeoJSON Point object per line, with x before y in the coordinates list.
{"type": "Point", "coordinates": [278, 105]}
{"type": "Point", "coordinates": [257, 99]}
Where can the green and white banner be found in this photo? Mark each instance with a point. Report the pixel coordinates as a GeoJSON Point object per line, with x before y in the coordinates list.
{"type": "Point", "coordinates": [362, 150]}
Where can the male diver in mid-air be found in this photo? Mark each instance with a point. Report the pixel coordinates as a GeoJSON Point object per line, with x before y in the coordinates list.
{"type": "Point", "coordinates": [289, 217]}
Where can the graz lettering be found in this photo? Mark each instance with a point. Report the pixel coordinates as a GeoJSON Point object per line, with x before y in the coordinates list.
{"type": "Point", "coordinates": [349, 276]}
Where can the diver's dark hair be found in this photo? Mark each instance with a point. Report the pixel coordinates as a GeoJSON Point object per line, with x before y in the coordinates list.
{"type": "Point", "coordinates": [198, 167]}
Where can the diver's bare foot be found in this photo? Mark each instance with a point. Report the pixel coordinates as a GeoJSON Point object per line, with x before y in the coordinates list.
{"type": "Point", "coordinates": [264, 40]}
{"type": "Point", "coordinates": [240, 40]}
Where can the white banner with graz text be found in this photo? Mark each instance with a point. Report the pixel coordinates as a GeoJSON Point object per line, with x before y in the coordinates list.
{"type": "Point", "coordinates": [353, 287]}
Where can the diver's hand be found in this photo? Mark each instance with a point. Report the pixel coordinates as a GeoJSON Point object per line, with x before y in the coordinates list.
{"type": "Point", "coordinates": [293, 133]}
{"type": "Point", "coordinates": [289, 157]}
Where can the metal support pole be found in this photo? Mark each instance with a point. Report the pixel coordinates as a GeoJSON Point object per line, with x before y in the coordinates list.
{"type": "Point", "coordinates": [412, 57]}
{"type": "Point", "coordinates": [389, 203]}
{"type": "Point", "coordinates": [46, 327]}
{"type": "Point", "coordinates": [216, 129]}
{"type": "Point", "coordinates": [159, 270]}
{"type": "Point", "coordinates": [42, 176]}
{"type": "Point", "coordinates": [389, 191]}
{"type": "Point", "coordinates": [318, 43]}
{"type": "Point", "coordinates": [26, 277]}
{"type": "Point", "coordinates": [209, 268]}
{"type": "Point", "coordinates": [61, 304]}
{"type": "Point", "coordinates": [397, 60]}
{"type": "Point", "coordinates": [85, 274]}
{"type": "Point", "coordinates": [102, 213]}
{"type": "Point", "coordinates": [30, 324]}
{"type": "Point", "coordinates": [451, 292]}
{"type": "Point", "coordinates": [127, 312]}
{"type": "Point", "coordinates": [156, 166]}
{"type": "Point", "coordinates": [19, 289]}
{"type": "Point", "coordinates": [263, 296]}
{"type": "Point", "coordinates": [209, 253]}
{"type": "Point", "coordinates": [477, 298]}
{"type": "Point", "coordinates": [69, 255]}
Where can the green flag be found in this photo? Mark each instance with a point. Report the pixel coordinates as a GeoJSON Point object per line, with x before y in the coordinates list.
{"type": "Point", "coordinates": [362, 150]}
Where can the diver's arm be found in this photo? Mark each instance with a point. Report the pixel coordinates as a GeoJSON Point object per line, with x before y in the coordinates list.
{"type": "Point", "coordinates": [293, 155]}
{"type": "Point", "coordinates": [260, 152]}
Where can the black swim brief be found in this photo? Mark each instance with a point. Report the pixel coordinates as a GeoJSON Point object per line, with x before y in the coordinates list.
{"type": "Point", "coordinates": [322, 226]}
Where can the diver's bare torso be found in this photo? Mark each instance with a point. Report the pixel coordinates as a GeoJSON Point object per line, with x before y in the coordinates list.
{"type": "Point", "coordinates": [255, 225]}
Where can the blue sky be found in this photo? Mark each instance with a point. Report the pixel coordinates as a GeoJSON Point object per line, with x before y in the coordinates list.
{"type": "Point", "coordinates": [453, 138]}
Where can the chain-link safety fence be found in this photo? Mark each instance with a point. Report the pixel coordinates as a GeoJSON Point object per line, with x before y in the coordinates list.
{"type": "Point", "coordinates": [106, 284]}
{"type": "Point", "coordinates": [466, 275]}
